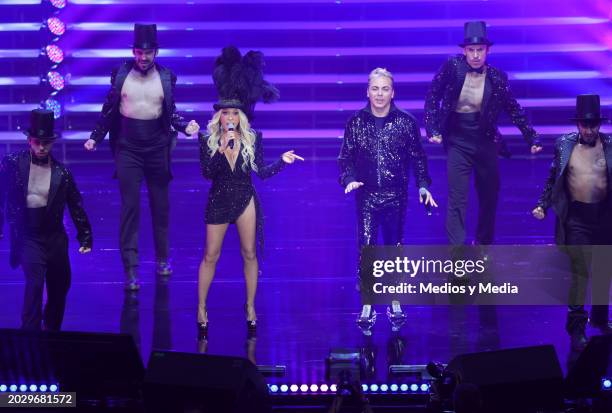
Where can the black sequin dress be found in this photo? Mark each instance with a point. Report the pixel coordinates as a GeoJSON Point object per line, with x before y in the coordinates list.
{"type": "Point", "coordinates": [231, 191]}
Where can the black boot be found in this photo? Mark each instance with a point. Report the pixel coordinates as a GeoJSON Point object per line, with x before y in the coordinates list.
{"type": "Point", "coordinates": [576, 327]}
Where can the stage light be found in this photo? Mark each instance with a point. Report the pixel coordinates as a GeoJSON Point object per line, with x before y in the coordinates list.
{"type": "Point", "coordinates": [324, 388]}
{"type": "Point", "coordinates": [314, 388]}
{"type": "Point", "coordinates": [33, 387]}
{"type": "Point", "coordinates": [394, 387]}
{"type": "Point", "coordinates": [333, 388]}
{"type": "Point", "coordinates": [364, 387]}
{"type": "Point", "coordinates": [54, 53]}
{"type": "Point", "coordinates": [424, 387]}
{"type": "Point", "coordinates": [43, 387]}
{"type": "Point", "coordinates": [53, 388]}
{"type": "Point", "coordinates": [23, 388]}
{"type": "Point", "coordinates": [13, 388]}
{"type": "Point", "coordinates": [58, 4]}
{"type": "Point", "coordinates": [374, 387]}
{"type": "Point", "coordinates": [384, 387]}
{"type": "Point", "coordinates": [284, 388]}
{"type": "Point", "coordinates": [56, 26]}
{"type": "Point", "coordinates": [294, 388]}
{"type": "Point", "coordinates": [414, 387]}
{"type": "Point", "coordinates": [3, 388]}
{"type": "Point", "coordinates": [606, 384]}
{"type": "Point", "coordinates": [404, 387]}
{"type": "Point", "coordinates": [54, 105]}
{"type": "Point", "coordinates": [273, 388]}
{"type": "Point", "coordinates": [56, 80]}
{"type": "Point", "coordinates": [304, 388]}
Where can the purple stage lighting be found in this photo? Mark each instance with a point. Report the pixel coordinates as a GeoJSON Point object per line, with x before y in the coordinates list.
{"type": "Point", "coordinates": [58, 4]}
{"type": "Point", "coordinates": [56, 26]}
{"type": "Point", "coordinates": [55, 54]}
{"type": "Point", "coordinates": [54, 105]}
{"type": "Point", "coordinates": [56, 80]}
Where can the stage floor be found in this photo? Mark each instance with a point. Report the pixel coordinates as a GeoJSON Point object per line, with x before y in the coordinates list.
{"type": "Point", "coordinates": [306, 302]}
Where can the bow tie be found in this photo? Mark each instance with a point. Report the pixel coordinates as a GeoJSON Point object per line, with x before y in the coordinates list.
{"type": "Point", "coordinates": [591, 144]}
{"type": "Point", "coordinates": [480, 70]}
{"type": "Point", "coordinates": [40, 161]}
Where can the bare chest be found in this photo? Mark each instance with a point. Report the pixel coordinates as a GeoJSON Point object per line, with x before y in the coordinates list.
{"type": "Point", "coordinates": [39, 183]}
{"type": "Point", "coordinates": [142, 97]}
{"type": "Point", "coordinates": [470, 99]}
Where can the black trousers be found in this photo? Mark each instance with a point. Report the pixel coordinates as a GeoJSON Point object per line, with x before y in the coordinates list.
{"type": "Point", "coordinates": [467, 151]}
{"type": "Point", "coordinates": [132, 167]}
{"type": "Point", "coordinates": [384, 210]}
{"type": "Point", "coordinates": [587, 224]}
{"type": "Point", "coordinates": [44, 259]}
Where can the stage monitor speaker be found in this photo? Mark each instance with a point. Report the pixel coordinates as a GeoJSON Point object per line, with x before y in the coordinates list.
{"type": "Point", "coordinates": [202, 383]}
{"type": "Point", "coordinates": [591, 366]}
{"type": "Point", "coordinates": [96, 366]}
{"type": "Point", "coordinates": [522, 380]}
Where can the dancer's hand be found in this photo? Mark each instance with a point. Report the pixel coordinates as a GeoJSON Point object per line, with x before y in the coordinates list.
{"type": "Point", "coordinates": [90, 145]}
{"type": "Point", "coordinates": [535, 149]}
{"type": "Point", "coordinates": [290, 157]}
{"type": "Point", "coordinates": [192, 127]}
{"type": "Point", "coordinates": [428, 197]}
{"type": "Point", "coordinates": [538, 213]}
{"type": "Point", "coordinates": [84, 250]}
{"type": "Point", "coordinates": [352, 186]}
{"type": "Point", "coordinates": [436, 139]}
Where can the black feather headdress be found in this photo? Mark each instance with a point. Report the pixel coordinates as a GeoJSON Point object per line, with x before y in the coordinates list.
{"type": "Point", "coordinates": [240, 82]}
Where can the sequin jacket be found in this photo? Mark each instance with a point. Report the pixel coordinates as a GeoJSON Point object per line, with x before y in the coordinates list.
{"type": "Point", "coordinates": [381, 158]}
{"type": "Point", "coordinates": [555, 193]}
{"type": "Point", "coordinates": [14, 175]}
{"type": "Point", "coordinates": [109, 119]}
{"type": "Point", "coordinates": [446, 88]}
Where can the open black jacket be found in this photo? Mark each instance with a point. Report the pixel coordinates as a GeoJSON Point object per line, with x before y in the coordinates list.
{"type": "Point", "coordinates": [110, 115]}
{"type": "Point", "coordinates": [381, 158]}
{"type": "Point", "coordinates": [555, 193]}
{"type": "Point", "coordinates": [14, 176]}
{"type": "Point", "coordinates": [446, 88]}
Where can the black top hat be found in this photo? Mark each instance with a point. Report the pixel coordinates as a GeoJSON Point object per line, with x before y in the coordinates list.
{"type": "Point", "coordinates": [145, 36]}
{"type": "Point", "coordinates": [41, 125]}
{"type": "Point", "coordinates": [475, 33]}
{"type": "Point", "coordinates": [588, 108]}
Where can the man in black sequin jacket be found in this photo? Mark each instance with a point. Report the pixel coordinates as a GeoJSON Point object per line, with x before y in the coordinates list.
{"type": "Point", "coordinates": [461, 110]}
{"type": "Point", "coordinates": [381, 143]}
{"type": "Point", "coordinates": [34, 191]}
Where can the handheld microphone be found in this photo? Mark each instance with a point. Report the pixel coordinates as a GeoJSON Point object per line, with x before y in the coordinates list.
{"type": "Point", "coordinates": [231, 128]}
{"type": "Point", "coordinates": [423, 194]}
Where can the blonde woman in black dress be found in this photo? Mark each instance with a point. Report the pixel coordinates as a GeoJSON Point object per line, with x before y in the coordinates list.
{"type": "Point", "coordinates": [229, 152]}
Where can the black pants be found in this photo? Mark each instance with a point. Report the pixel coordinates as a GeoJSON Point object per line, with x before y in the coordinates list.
{"type": "Point", "coordinates": [376, 210]}
{"type": "Point", "coordinates": [132, 167]}
{"type": "Point", "coordinates": [587, 224]}
{"type": "Point", "coordinates": [44, 259]}
{"type": "Point", "coordinates": [467, 151]}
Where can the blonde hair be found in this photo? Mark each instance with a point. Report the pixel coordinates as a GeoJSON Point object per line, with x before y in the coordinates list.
{"type": "Point", "coordinates": [246, 135]}
{"type": "Point", "coordinates": [380, 72]}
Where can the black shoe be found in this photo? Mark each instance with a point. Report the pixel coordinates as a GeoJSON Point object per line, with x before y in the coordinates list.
{"type": "Point", "coordinates": [251, 324]}
{"type": "Point", "coordinates": [163, 268]}
{"type": "Point", "coordinates": [132, 283]}
{"type": "Point", "coordinates": [578, 340]}
{"type": "Point", "coordinates": [203, 326]}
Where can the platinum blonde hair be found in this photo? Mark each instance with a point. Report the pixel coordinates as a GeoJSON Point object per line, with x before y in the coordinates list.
{"type": "Point", "coordinates": [380, 72]}
{"type": "Point", "coordinates": [246, 136]}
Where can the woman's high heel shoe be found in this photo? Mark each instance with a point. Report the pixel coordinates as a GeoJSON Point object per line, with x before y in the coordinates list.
{"type": "Point", "coordinates": [203, 325]}
{"type": "Point", "coordinates": [251, 324]}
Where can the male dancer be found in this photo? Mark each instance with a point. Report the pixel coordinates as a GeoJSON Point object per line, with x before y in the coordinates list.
{"type": "Point", "coordinates": [579, 189]}
{"type": "Point", "coordinates": [140, 114]}
{"type": "Point", "coordinates": [461, 110]}
{"type": "Point", "coordinates": [34, 191]}
{"type": "Point", "coordinates": [380, 142]}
